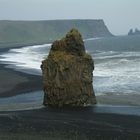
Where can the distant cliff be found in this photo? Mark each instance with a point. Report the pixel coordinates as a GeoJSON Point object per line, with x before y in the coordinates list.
{"type": "Point", "coordinates": [13, 32]}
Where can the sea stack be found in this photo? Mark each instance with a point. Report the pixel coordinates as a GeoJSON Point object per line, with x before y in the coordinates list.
{"type": "Point", "coordinates": [67, 73]}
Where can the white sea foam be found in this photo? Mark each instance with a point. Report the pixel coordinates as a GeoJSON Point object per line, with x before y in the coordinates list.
{"type": "Point", "coordinates": [115, 72]}
{"type": "Point", "coordinates": [95, 38]}
{"type": "Point", "coordinates": [26, 57]}
{"type": "Point", "coordinates": [115, 75]}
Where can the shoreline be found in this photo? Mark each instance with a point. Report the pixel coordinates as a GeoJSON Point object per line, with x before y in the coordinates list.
{"type": "Point", "coordinates": [5, 47]}
{"type": "Point", "coordinates": [119, 100]}
{"type": "Point", "coordinates": [15, 82]}
{"type": "Point", "coordinates": [40, 123]}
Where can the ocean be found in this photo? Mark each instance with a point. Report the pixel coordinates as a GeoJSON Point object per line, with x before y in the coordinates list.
{"type": "Point", "coordinates": [117, 63]}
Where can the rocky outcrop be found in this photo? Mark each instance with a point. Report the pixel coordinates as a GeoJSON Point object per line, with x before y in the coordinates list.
{"type": "Point", "coordinates": [67, 73]}
{"type": "Point", "coordinates": [135, 32]}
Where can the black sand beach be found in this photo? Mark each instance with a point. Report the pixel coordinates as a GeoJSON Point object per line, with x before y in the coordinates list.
{"type": "Point", "coordinates": [15, 82]}
{"type": "Point", "coordinates": [60, 124]}
{"type": "Point", "coordinates": [68, 124]}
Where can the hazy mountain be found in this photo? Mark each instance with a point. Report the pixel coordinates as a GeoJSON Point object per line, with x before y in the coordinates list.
{"type": "Point", "coordinates": [24, 32]}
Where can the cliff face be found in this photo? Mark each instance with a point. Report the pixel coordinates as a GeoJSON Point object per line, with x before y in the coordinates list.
{"type": "Point", "coordinates": [67, 73]}
{"type": "Point", "coordinates": [44, 31]}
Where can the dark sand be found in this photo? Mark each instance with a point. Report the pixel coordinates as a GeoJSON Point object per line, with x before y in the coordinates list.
{"type": "Point", "coordinates": [59, 124]}
{"type": "Point", "coordinates": [68, 124]}
{"type": "Point", "coordinates": [14, 82]}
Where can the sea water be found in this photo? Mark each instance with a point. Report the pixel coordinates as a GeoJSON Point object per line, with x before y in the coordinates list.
{"type": "Point", "coordinates": [117, 63]}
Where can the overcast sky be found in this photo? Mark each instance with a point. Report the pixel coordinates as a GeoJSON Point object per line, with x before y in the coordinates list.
{"type": "Point", "coordinates": [119, 15]}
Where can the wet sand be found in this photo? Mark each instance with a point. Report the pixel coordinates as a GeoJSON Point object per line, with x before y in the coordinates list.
{"type": "Point", "coordinates": [14, 82]}
{"type": "Point", "coordinates": [122, 100]}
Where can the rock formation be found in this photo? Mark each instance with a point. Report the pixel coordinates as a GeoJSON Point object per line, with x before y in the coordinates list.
{"type": "Point", "coordinates": [67, 73]}
{"type": "Point", "coordinates": [135, 32]}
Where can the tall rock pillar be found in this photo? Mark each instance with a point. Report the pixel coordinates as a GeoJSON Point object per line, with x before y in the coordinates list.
{"type": "Point", "coordinates": [67, 73]}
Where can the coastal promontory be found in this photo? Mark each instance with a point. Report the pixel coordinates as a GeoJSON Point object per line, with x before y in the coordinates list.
{"type": "Point", "coordinates": [23, 33]}
{"type": "Point", "coordinates": [68, 73]}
